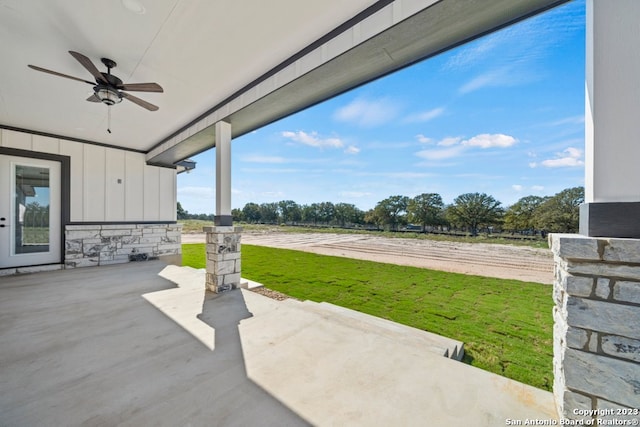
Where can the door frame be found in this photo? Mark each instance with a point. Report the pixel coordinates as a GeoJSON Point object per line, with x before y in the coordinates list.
{"type": "Point", "coordinates": [65, 186]}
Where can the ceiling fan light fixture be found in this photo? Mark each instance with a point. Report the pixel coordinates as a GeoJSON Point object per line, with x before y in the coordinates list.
{"type": "Point", "coordinates": [108, 96]}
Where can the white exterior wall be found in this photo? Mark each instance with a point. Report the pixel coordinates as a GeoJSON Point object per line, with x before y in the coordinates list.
{"type": "Point", "coordinates": [144, 193]}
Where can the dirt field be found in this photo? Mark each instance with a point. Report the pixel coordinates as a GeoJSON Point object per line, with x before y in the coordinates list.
{"type": "Point", "coordinates": [502, 261]}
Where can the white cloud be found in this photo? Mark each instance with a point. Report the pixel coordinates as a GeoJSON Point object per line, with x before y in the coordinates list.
{"type": "Point", "coordinates": [441, 154]}
{"type": "Point", "coordinates": [445, 142]}
{"type": "Point", "coordinates": [367, 113]}
{"type": "Point", "coordinates": [517, 187]}
{"type": "Point", "coordinates": [424, 116]}
{"type": "Point", "coordinates": [423, 139]}
{"type": "Point", "coordinates": [486, 140]}
{"type": "Point", "coordinates": [352, 150]}
{"type": "Point", "coordinates": [455, 145]}
{"type": "Point", "coordinates": [498, 77]}
{"type": "Point", "coordinates": [574, 152]}
{"type": "Point", "coordinates": [537, 187]}
{"type": "Point", "coordinates": [449, 141]}
{"type": "Point", "coordinates": [312, 139]}
{"type": "Point", "coordinates": [570, 157]}
{"type": "Point", "coordinates": [518, 75]}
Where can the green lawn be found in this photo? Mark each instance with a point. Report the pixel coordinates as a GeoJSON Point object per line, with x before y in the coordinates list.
{"type": "Point", "coordinates": [506, 325]}
{"type": "Point", "coordinates": [35, 235]}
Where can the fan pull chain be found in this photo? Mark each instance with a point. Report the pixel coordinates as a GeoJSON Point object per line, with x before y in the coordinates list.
{"type": "Point", "coordinates": [109, 118]}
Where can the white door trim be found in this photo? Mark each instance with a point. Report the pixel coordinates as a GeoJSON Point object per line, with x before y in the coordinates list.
{"type": "Point", "coordinates": [9, 257]}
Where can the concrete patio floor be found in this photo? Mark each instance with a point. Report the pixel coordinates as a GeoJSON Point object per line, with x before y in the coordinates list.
{"type": "Point", "coordinates": [121, 345]}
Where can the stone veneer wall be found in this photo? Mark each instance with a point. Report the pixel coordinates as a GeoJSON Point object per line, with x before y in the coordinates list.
{"type": "Point", "coordinates": [92, 245]}
{"type": "Point", "coordinates": [597, 327]}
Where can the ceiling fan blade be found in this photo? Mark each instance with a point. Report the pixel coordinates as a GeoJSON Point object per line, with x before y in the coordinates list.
{"type": "Point", "coordinates": [140, 102]}
{"type": "Point", "coordinates": [88, 65]}
{"type": "Point", "coordinates": [93, 98]}
{"type": "Point", "coordinates": [55, 73]}
{"type": "Point", "coordinates": [142, 87]}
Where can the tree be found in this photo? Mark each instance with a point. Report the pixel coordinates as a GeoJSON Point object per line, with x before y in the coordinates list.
{"type": "Point", "coordinates": [36, 215]}
{"type": "Point", "coordinates": [251, 212]}
{"type": "Point", "coordinates": [237, 215]}
{"type": "Point", "coordinates": [372, 217]}
{"type": "Point", "coordinates": [289, 211]}
{"type": "Point", "coordinates": [426, 209]}
{"type": "Point", "coordinates": [296, 214]}
{"type": "Point", "coordinates": [181, 213]}
{"type": "Point", "coordinates": [473, 210]}
{"type": "Point", "coordinates": [269, 213]}
{"type": "Point", "coordinates": [310, 213]}
{"type": "Point", "coordinates": [358, 216]}
{"type": "Point", "coordinates": [522, 214]}
{"type": "Point", "coordinates": [346, 213]}
{"type": "Point", "coordinates": [561, 213]}
{"type": "Point", "coordinates": [327, 212]}
{"type": "Point", "coordinates": [392, 211]}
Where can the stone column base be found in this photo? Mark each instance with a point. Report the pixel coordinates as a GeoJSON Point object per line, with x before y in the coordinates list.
{"type": "Point", "coordinates": [223, 258]}
{"type": "Point", "coordinates": [596, 348]}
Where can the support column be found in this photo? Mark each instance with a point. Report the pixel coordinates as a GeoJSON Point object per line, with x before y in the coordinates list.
{"type": "Point", "coordinates": [596, 355]}
{"type": "Point", "coordinates": [223, 174]}
{"type": "Point", "coordinates": [223, 240]}
{"type": "Point", "coordinates": [596, 348]}
{"type": "Point", "coordinates": [612, 127]}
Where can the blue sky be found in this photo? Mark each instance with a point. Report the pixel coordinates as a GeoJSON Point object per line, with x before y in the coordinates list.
{"type": "Point", "coordinates": [503, 115]}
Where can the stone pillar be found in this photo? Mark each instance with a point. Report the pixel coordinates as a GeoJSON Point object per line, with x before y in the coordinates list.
{"type": "Point", "coordinates": [223, 258]}
{"type": "Point", "coordinates": [596, 334]}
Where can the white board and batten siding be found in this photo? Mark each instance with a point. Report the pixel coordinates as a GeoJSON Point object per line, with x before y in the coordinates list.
{"type": "Point", "coordinates": [107, 184]}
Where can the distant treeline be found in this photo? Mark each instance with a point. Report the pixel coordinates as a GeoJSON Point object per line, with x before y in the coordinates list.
{"type": "Point", "coordinates": [470, 212]}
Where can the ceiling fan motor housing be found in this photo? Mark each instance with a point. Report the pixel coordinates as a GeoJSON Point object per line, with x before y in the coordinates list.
{"type": "Point", "coordinates": [109, 94]}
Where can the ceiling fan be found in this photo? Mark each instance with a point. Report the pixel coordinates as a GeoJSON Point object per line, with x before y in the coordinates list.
{"type": "Point", "coordinates": [108, 88]}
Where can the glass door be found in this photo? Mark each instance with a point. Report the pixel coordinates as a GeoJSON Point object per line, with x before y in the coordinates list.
{"type": "Point", "coordinates": [29, 211]}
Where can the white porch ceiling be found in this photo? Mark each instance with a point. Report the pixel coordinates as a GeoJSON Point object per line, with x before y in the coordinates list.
{"type": "Point", "coordinates": [216, 60]}
{"type": "Point", "coordinates": [200, 52]}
